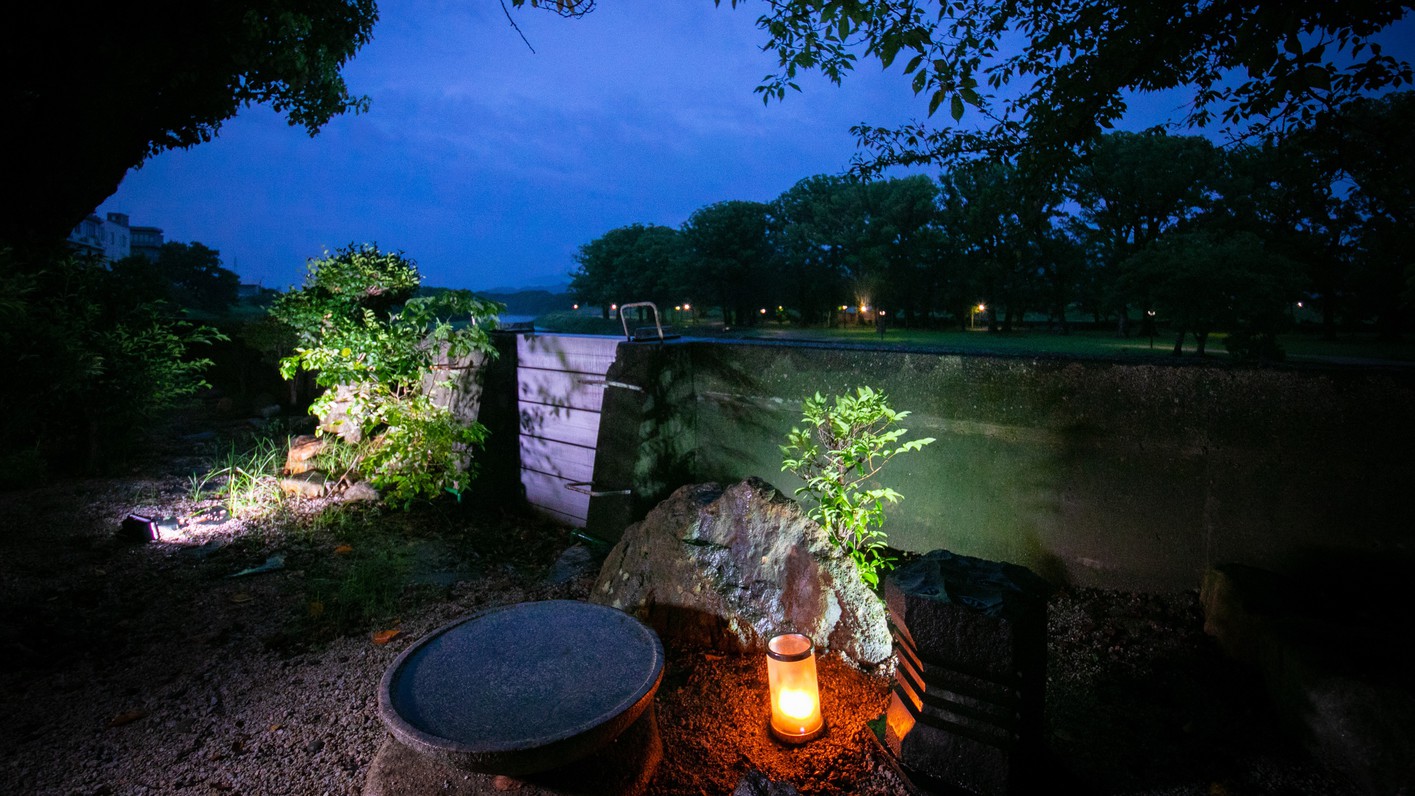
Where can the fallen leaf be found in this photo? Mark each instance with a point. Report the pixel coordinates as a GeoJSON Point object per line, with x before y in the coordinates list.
{"type": "Point", "coordinates": [276, 727]}
{"type": "Point", "coordinates": [127, 717]}
{"type": "Point", "coordinates": [316, 609]}
{"type": "Point", "coordinates": [241, 597]}
{"type": "Point", "coordinates": [343, 550]}
{"type": "Point", "coordinates": [385, 636]}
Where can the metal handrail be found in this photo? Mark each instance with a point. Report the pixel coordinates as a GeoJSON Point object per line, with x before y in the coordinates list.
{"type": "Point", "coordinates": [625, 321]}
{"type": "Point", "coordinates": [587, 488]}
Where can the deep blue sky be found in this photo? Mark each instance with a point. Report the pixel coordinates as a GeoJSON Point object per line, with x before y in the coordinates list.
{"type": "Point", "coordinates": [490, 165]}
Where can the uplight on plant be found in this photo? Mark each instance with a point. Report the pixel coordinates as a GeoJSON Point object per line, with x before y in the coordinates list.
{"type": "Point", "coordinates": [845, 443]}
{"type": "Point", "coordinates": [375, 346]}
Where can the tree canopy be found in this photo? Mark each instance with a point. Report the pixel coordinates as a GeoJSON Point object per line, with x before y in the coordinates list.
{"type": "Point", "coordinates": [1168, 230]}
{"type": "Point", "coordinates": [92, 90]}
{"type": "Point", "coordinates": [1046, 76]}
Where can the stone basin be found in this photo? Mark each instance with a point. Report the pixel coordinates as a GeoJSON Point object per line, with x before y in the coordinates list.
{"type": "Point", "coordinates": [523, 688]}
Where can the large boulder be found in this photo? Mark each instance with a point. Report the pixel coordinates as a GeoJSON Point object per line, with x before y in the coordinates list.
{"type": "Point", "coordinates": [730, 568]}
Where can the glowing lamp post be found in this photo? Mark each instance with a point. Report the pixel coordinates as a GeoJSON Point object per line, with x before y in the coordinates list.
{"type": "Point", "coordinates": [795, 695]}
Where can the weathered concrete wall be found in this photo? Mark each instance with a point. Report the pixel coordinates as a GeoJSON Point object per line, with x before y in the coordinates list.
{"type": "Point", "coordinates": [1089, 472]}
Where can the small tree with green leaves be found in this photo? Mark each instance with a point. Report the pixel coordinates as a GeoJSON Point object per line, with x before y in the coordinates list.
{"type": "Point", "coordinates": [373, 346]}
{"type": "Point", "coordinates": [844, 445]}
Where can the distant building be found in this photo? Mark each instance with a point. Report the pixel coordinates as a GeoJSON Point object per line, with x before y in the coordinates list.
{"type": "Point", "coordinates": [87, 237]}
{"type": "Point", "coordinates": [113, 239]}
{"type": "Point", "coordinates": [147, 241]}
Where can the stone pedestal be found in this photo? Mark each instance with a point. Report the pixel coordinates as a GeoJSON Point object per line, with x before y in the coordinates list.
{"type": "Point", "coordinates": [550, 697]}
{"type": "Point", "coordinates": [623, 768]}
{"type": "Point", "coordinates": [969, 696]}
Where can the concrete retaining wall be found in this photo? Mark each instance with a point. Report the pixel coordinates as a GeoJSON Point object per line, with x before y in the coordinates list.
{"type": "Point", "coordinates": [1090, 472]}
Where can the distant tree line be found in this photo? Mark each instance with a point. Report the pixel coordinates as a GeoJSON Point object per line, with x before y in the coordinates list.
{"type": "Point", "coordinates": [1142, 227]}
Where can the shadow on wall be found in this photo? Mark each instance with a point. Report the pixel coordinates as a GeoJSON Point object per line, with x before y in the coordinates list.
{"type": "Point", "coordinates": [1094, 473]}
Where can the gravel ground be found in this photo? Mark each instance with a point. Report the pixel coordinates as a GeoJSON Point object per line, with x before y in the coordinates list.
{"type": "Point", "coordinates": [146, 669]}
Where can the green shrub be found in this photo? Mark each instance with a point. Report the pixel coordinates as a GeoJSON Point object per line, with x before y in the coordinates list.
{"type": "Point", "coordinates": [844, 445]}
{"type": "Point", "coordinates": [95, 359]}
{"type": "Point", "coordinates": [372, 346]}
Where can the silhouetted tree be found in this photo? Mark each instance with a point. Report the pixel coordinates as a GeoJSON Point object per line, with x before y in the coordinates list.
{"type": "Point", "coordinates": [1045, 77]}
{"type": "Point", "coordinates": [730, 260]}
{"type": "Point", "coordinates": [92, 90]}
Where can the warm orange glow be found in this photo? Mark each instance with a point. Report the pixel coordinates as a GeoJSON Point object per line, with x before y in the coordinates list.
{"type": "Point", "coordinates": [898, 717]}
{"type": "Point", "coordinates": [796, 704]}
{"type": "Point", "coordinates": [795, 694]}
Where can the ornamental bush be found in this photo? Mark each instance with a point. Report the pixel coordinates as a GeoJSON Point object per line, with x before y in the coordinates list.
{"type": "Point", "coordinates": [846, 442]}
{"type": "Point", "coordinates": [375, 348]}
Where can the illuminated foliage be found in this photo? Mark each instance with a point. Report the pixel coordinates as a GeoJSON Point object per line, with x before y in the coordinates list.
{"type": "Point", "coordinates": [374, 348]}
{"type": "Point", "coordinates": [844, 444]}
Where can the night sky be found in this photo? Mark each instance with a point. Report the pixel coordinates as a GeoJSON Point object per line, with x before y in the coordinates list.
{"type": "Point", "coordinates": [489, 164]}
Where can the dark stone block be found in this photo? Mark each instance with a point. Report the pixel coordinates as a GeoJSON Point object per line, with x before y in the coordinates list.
{"type": "Point", "coordinates": [623, 768]}
{"type": "Point", "coordinates": [959, 698]}
{"type": "Point", "coordinates": [967, 613]}
{"type": "Point", "coordinates": [969, 694]}
{"type": "Point", "coordinates": [947, 753]}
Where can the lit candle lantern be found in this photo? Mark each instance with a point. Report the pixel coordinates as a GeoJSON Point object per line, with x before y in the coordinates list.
{"type": "Point", "coordinates": [795, 695]}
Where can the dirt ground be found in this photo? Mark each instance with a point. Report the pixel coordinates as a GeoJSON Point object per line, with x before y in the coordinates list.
{"type": "Point", "coordinates": [149, 669]}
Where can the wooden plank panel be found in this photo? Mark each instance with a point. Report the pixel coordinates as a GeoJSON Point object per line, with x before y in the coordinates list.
{"type": "Point", "coordinates": [578, 353]}
{"type": "Point", "coordinates": [572, 462]}
{"type": "Point", "coordinates": [559, 388]}
{"type": "Point", "coordinates": [559, 517]}
{"type": "Point", "coordinates": [548, 492]}
{"type": "Point", "coordinates": [574, 426]}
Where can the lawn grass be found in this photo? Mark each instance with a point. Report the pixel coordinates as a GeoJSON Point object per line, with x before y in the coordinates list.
{"type": "Point", "coordinates": [1353, 347]}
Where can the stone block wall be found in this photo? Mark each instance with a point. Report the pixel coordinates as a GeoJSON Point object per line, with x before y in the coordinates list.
{"type": "Point", "coordinates": [1097, 473]}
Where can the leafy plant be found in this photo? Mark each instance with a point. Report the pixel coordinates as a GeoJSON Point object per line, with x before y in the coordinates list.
{"type": "Point", "coordinates": [245, 477]}
{"type": "Point", "coordinates": [845, 443]}
{"type": "Point", "coordinates": [94, 360]}
{"type": "Point", "coordinates": [422, 451]}
{"type": "Point", "coordinates": [382, 356]}
{"type": "Point", "coordinates": [338, 458]}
